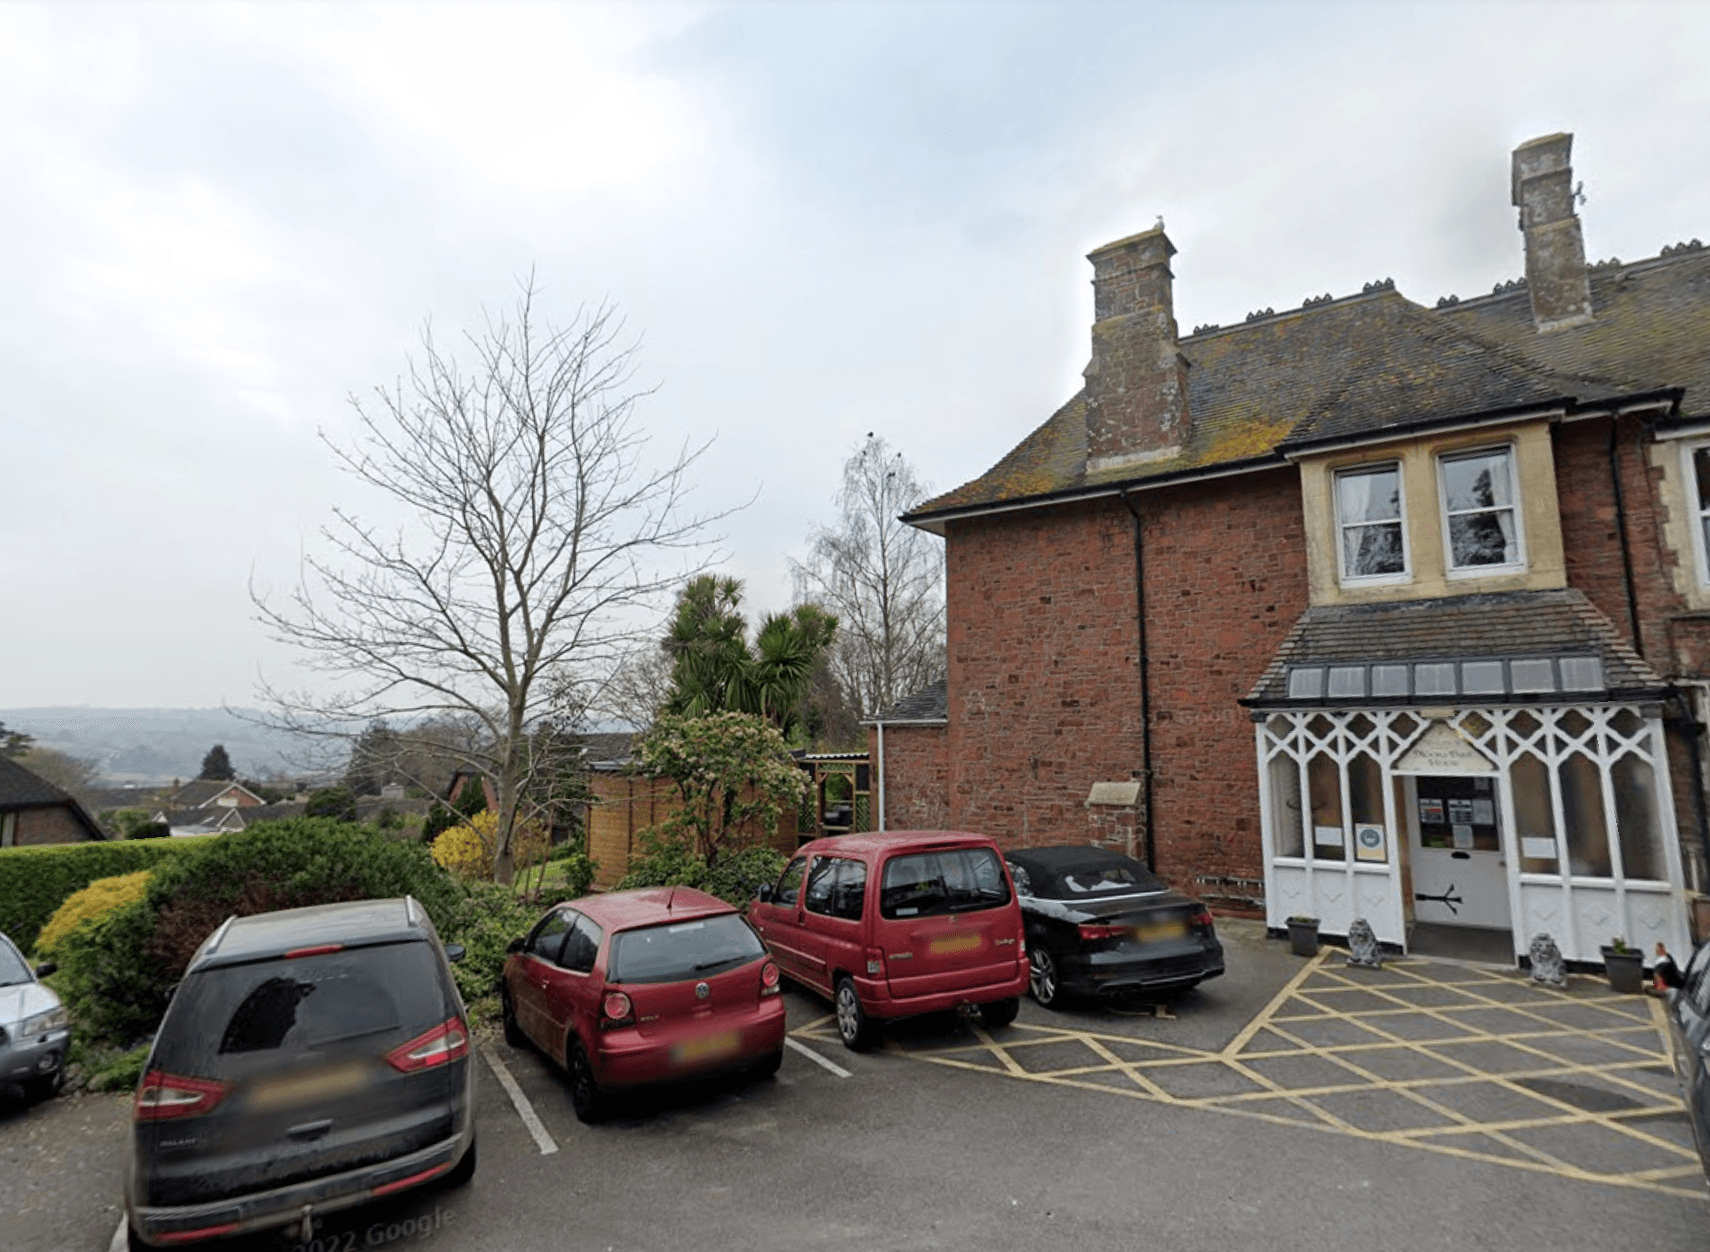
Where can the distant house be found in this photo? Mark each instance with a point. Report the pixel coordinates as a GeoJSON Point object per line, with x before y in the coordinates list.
{"type": "Point", "coordinates": [34, 811]}
{"type": "Point", "coordinates": [210, 806]}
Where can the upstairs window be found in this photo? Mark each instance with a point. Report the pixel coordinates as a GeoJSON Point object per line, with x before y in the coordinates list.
{"type": "Point", "coordinates": [1701, 507]}
{"type": "Point", "coordinates": [1368, 512]}
{"type": "Point", "coordinates": [1479, 511]}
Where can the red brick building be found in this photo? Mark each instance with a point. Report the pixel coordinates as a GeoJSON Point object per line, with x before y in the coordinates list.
{"type": "Point", "coordinates": [34, 811]}
{"type": "Point", "coordinates": [1357, 609]}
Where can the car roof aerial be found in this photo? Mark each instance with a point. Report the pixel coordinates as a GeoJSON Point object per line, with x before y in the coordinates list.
{"type": "Point", "coordinates": [649, 906]}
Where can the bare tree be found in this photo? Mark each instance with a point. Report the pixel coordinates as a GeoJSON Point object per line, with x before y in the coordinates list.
{"type": "Point", "coordinates": [883, 579]}
{"type": "Point", "coordinates": [641, 686]}
{"type": "Point", "coordinates": [535, 548]}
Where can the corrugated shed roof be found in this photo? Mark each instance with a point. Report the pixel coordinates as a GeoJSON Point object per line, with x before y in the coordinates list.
{"type": "Point", "coordinates": [1513, 624]}
{"type": "Point", "coordinates": [1378, 362]}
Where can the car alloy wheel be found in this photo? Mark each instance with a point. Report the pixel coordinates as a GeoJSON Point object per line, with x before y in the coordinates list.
{"type": "Point", "coordinates": [1042, 976]}
{"type": "Point", "coordinates": [853, 1025]}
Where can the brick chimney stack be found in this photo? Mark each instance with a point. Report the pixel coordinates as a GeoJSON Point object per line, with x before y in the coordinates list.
{"type": "Point", "coordinates": [1137, 400]}
{"type": "Point", "coordinates": [1555, 245]}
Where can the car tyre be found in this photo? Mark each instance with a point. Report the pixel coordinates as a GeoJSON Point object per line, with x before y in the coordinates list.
{"type": "Point", "coordinates": [508, 1018]}
{"type": "Point", "coordinates": [464, 1170]}
{"type": "Point", "coordinates": [1000, 1013]}
{"type": "Point", "coordinates": [586, 1098]}
{"type": "Point", "coordinates": [38, 1089]}
{"type": "Point", "coordinates": [858, 1031]}
{"type": "Point", "coordinates": [1044, 978]}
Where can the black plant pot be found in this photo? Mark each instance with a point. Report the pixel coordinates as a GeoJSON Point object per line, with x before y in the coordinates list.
{"type": "Point", "coordinates": [1303, 937]}
{"type": "Point", "coordinates": [1626, 970]}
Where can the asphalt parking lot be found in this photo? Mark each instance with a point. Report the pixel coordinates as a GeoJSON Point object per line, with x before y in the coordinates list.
{"type": "Point", "coordinates": [1291, 1104]}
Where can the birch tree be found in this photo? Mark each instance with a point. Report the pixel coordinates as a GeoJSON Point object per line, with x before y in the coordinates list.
{"type": "Point", "coordinates": [882, 579]}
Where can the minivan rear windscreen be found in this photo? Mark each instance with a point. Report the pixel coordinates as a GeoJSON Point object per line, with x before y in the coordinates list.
{"type": "Point", "coordinates": [362, 999]}
{"type": "Point", "coordinates": [951, 880]}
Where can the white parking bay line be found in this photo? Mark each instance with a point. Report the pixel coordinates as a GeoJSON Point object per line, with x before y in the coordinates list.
{"type": "Point", "coordinates": [816, 1058]}
{"type": "Point", "coordinates": [525, 1110]}
{"type": "Point", "coordinates": [121, 1239]}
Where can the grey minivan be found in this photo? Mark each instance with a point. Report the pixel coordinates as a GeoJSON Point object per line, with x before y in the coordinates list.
{"type": "Point", "coordinates": [311, 1059]}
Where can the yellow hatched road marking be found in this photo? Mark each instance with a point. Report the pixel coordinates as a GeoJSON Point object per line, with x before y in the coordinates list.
{"type": "Point", "coordinates": [1237, 1083]}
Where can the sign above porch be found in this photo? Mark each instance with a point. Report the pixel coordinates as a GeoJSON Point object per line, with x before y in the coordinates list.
{"type": "Point", "coordinates": [1442, 750]}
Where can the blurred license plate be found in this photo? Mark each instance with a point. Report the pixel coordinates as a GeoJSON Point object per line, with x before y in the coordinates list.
{"type": "Point", "coordinates": [706, 1048]}
{"type": "Point", "coordinates": [956, 943]}
{"type": "Point", "coordinates": [1152, 931]}
{"type": "Point", "coordinates": [320, 1084]}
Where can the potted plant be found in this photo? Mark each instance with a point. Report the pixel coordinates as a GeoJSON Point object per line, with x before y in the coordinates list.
{"type": "Point", "coordinates": [1625, 966]}
{"type": "Point", "coordinates": [1303, 935]}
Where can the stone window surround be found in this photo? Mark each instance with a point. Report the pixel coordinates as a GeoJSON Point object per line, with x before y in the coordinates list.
{"type": "Point", "coordinates": [1428, 576]}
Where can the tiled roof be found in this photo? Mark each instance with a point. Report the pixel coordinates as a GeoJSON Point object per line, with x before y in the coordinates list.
{"type": "Point", "coordinates": [1502, 625]}
{"type": "Point", "coordinates": [21, 789]}
{"type": "Point", "coordinates": [1377, 362]}
{"type": "Point", "coordinates": [930, 704]}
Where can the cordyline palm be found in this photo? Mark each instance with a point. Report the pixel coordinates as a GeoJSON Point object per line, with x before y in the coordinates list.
{"type": "Point", "coordinates": [714, 670]}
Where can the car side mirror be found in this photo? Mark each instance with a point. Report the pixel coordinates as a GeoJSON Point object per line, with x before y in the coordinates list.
{"type": "Point", "coordinates": [45, 968]}
{"type": "Point", "coordinates": [454, 951]}
{"type": "Point", "coordinates": [513, 947]}
{"type": "Point", "coordinates": [764, 893]}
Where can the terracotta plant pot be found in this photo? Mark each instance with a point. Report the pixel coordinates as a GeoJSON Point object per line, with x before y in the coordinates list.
{"type": "Point", "coordinates": [1303, 935]}
{"type": "Point", "coordinates": [1626, 970]}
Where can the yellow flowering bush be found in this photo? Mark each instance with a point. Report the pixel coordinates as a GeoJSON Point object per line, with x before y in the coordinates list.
{"type": "Point", "coordinates": [467, 850]}
{"type": "Point", "coordinates": [96, 900]}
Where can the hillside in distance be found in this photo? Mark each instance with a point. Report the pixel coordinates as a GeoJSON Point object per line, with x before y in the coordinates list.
{"type": "Point", "coordinates": [158, 745]}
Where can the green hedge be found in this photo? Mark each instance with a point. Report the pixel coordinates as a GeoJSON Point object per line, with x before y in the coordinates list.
{"type": "Point", "coordinates": [36, 881]}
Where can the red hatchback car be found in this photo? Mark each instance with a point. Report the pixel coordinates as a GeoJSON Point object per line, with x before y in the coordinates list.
{"type": "Point", "coordinates": [897, 924]}
{"type": "Point", "coordinates": [636, 988]}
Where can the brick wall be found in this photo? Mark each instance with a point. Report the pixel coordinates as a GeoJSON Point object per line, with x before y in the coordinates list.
{"type": "Point", "coordinates": [1225, 582]}
{"type": "Point", "coordinates": [917, 776]}
{"type": "Point", "coordinates": [1043, 684]}
{"type": "Point", "coordinates": [1591, 539]}
{"type": "Point", "coordinates": [1044, 681]}
{"type": "Point", "coordinates": [49, 825]}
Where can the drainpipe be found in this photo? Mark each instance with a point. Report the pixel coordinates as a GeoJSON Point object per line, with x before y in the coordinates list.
{"type": "Point", "coordinates": [881, 727]}
{"type": "Point", "coordinates": [1621, 530]}
{"type": "Point", "coordinates": [1145, 685]}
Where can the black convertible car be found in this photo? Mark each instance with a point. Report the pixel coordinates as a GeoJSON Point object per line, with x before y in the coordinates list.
{"type": "Point", "coordinates": [1101, 924]}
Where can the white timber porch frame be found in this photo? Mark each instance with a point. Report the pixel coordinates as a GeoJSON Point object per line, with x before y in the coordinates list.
{"type": "Point", "coordinates": [1581, 910]}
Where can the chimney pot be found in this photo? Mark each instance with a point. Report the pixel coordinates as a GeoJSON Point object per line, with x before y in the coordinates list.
{"type": "Point", "coordinates": [1542, 189]}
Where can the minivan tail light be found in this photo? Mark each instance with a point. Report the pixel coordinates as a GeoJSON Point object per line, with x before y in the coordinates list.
{"type": "Point", "coordinates": [617, 1009]}
{"type": "Point", "coordinates": [162, 1096]}
{"type": "Point", "coordinates": [875, 962]}
{"type": "Point", "coordinates": [443, 1044]}
{"type": "Point", "coordinates": [768, 979]}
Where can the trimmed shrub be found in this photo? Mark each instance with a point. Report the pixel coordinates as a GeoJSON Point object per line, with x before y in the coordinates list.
{"type": "Point", "coordinates": [117, 971]}
{"type": "Point", "coordinates": [34, 882]}
{"type": "Point", "coordinates": [733, 878]}
{"type": "Point", "coordinates": [487, 918]}
{"type": "Point", "coordinates": [99, 897]}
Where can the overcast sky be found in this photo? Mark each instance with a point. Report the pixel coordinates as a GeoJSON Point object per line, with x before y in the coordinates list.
{"type": "Point", "coordinates": [822, 219]}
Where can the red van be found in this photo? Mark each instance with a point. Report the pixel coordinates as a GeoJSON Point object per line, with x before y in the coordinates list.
{"type": "Point", "coordinates": [892, 925]}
